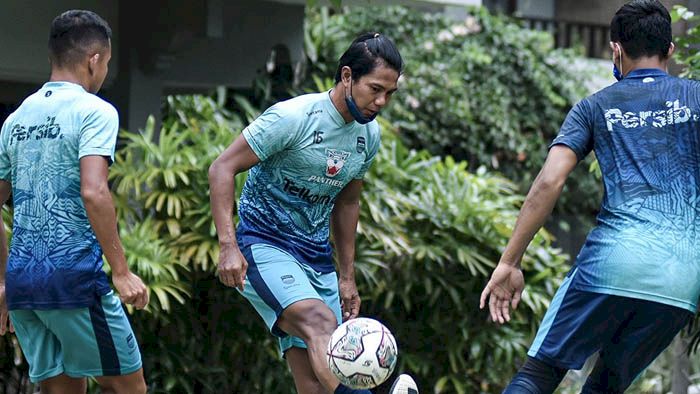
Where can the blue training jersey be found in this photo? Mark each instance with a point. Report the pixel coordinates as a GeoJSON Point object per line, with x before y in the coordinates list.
{"type": "Point", "coordinates": [646, 136]}
{"type": "Point", "coordinates": [308, 154]}
{"type": "Point", "coordinates": [55, 260]}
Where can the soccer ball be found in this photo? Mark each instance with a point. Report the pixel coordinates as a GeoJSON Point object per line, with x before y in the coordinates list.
{"type": "Point", "coordinates": [362, 353]}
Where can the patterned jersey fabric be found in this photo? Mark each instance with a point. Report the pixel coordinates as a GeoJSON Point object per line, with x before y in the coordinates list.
{"type": "Point", "coordinates": [55, 260]}
{"type": "Point", "coordinates": [308, 154]}
{"type": "Point", "coordinates": [646, 136]}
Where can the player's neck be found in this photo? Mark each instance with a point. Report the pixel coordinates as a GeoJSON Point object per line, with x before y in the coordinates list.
{"type": "Point", "coordinates": [338, 100]}
{"type": "Point", "coordinates": [645, 62]}
{"type": "Point", "coordinates": [61, 75]}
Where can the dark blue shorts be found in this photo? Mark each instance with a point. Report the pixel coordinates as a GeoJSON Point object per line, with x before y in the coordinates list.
{"type": "Point", "coordinates": [628, 332]}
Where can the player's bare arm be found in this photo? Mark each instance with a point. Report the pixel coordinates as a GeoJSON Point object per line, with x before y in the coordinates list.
{"type": "Point", "coordinates": [5, 190]}
{"type": "Point", "coordinates": [506, 284]}
{"type": "Point", "coordinates": [94, 190]}
{"type": "Point", "coordinates": [237, 158]}
{"type": "Point", "coordinates": [343, 227]}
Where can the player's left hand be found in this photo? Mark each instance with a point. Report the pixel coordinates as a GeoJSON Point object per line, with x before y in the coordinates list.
{"type": "Point", "coordinates": [503, 290]}
{"type": "Point", "coordinates": [4, 314]}
{"type": "Point", "coordinates": [349, 298]}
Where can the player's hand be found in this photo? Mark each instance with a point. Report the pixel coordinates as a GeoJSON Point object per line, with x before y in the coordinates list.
{"type": "Point", "coordinates": [4, 314]}
{"type": "Point", "coordinates": [131, 289]}
{"type": "Point", "coordinates": [232, 267]}
{"type": "Point", "coordinates": [349, 298]}
{"type": "Point", "coordinates": [504, 291]}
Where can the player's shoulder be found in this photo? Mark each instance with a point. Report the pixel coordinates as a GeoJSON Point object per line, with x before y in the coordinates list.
{"type": "Point", "coordinates": [10, 118]}
{"type": "Point", "coordinates": [297, 109]}
{"type": "Point", "coordinates": [26, 108]}
{"type": "Point", "coordinates": [686, 82]}
{"type": "Point", "coordinates": [90, 104]}
{"type": "Point", "coordinates": [28, 104]}
{"type": "Point", "coordinates": [299, 104]}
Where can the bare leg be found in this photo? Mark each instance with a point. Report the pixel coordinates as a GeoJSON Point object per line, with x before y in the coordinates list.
{"type": "Point", "coordinates": [304, 378]}
{"type": "Point", "coordinates": [312, 321]}
{"type": "Point", "coordinates": [132, 383]}
{"type": "Point", "coordinates": [63, 384]}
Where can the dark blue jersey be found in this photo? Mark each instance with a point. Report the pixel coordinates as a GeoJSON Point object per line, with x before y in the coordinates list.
{"type": "Point", "coordinates": [644, 131]}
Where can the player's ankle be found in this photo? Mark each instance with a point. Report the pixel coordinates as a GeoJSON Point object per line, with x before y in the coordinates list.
{"type": "Point", "coordinates": [341, 389]}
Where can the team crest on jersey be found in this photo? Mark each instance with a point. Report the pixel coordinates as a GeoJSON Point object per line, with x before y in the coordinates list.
{"type": "Point", "coordinates": [360, 144]}
{"type": "Point", "coordinates": [335, 160]}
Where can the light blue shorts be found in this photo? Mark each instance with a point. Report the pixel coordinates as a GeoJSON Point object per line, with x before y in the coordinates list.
{"type": "Point", "coordinates": [91, 341]}
{"type": "Point", "coordinates": [276, 280]}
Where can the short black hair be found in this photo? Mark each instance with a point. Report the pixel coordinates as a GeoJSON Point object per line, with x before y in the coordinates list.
{"type": "Point", "coordinates": [643, 28]}
{"type": "Point", "coordinates": [368, 51]}
{"type": "Point", "coordinates": [74, 33]}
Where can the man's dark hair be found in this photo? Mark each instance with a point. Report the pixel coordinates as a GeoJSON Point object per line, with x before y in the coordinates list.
{"type": "Point", "coordinates": [368, 51]}
{"type": "Point", "coordinates": [643, 28]}
{"type": "Point", "coordinates": [74, 33]}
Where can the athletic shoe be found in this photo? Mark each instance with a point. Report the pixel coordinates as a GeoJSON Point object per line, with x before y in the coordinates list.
{"type": "Point", "coordinates": [404, 384]}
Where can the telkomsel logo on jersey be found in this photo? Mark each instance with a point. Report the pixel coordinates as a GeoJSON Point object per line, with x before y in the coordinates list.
{"type": "Point", "coordinates": [50, 129]}
{"type": "Point", "coordinates": [674, 113]}
{"type": "Point", "coordinates": [291, 188]}
{"type": "Point", "coordinates": [335, 160]}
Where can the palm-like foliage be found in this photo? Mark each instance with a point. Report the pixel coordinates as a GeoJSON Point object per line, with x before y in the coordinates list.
{"type": "Point", "coordinates": [200, 330]}
{"type": "Point", "coordinates": [430, 232]}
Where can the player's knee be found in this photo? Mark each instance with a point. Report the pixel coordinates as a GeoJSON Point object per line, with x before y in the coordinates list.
{"type": "Point", "coordinates": [598, 385]}
{"type": "Point", "coordinates": [140, 387]}
{"type": "Point", "coordinates": [124, 385]}
{"type": "Point", "coordinates": [137, 387]}
{"type": "Point", "coordinates": [536, 377]}
{"type": "Point", "coordinates": [318, 321]}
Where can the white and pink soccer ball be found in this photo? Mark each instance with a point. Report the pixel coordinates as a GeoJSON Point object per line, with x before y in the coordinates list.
{"type": "Point", "coordinates": [362, 353]}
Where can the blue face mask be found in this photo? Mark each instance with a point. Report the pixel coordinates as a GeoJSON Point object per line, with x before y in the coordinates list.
{"type": "Point", "coordinates": [616, 73]}
{"type": "Point", "coordinates": [355, 112]}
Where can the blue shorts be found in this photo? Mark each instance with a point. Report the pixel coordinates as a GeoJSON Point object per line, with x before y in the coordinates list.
{"type": "Point", "coordinates": [276, 280]}
{"type": "Point", "coordinates": [91, 341]}
{"type": "Point", "coordinates": [630, 333]}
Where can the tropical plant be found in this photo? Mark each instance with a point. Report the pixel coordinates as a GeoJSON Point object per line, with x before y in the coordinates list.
{"type": "Point", "coordinates": [199, 334]}
{"type": "Point", "coordinates": [482, 89]}
{"type": "Point", "coordinates": [430, 233]}
{"type": "Point", "coordinates": [687, 53]}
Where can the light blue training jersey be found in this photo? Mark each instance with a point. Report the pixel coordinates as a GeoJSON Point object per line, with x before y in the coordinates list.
{"type": "Point", "coordinates": [55, 260]}
{"type": "Point", "coordinates": [308, 154]}
{"type": "Point", "coordinates": [645, 131]}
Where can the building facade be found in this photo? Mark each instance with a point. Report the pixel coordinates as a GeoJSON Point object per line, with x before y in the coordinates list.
{"type": "Point", "coordinates": [162, 46]}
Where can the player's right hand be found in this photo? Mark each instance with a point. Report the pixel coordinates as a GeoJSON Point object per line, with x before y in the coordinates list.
{"type": "Point", "coordinates": [232, 267]}
{"type": "Point", "coordinates": [4, 314]}
{"type": "Point", "coordinates": [131, 289]}
{"type": "Point", "coordinates": [503, 291]}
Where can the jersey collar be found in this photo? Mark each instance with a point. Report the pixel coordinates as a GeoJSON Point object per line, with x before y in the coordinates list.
{"type": "Point", "coordinates": [335, 114]}
{"type": "Point", "coordinates": [646, 72]}
{"type": "Point", "coordinates": [63, 85]}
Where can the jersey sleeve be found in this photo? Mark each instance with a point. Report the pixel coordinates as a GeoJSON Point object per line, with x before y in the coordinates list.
{"type": "Point", "coordinates": [372, 149]}
{"type": "Point", "coordinates": [98, 133]}
{"type": "Point", "coordinates": [274, 131]}
{"type": "Point", "coordinates": [5, 164]}
{"type": "Point", "coordinates": [577, 130]}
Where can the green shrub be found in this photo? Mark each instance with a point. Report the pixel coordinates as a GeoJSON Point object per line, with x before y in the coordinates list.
{"type": "Point", "coordinates": [482, 89]}
{"type": "Point", "coordinates": [430, 233]}
{"type": "Point", "coordinates": [687, 53]}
